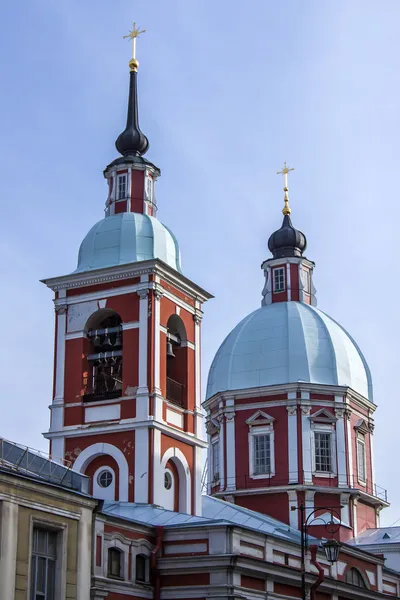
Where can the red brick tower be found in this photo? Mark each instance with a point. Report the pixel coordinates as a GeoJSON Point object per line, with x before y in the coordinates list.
{"type": "Point", "coordinates": [126, 404]}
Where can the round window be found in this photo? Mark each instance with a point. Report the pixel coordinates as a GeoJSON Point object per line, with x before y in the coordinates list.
{"type": "Point", "coordinates": [167, 480]}
{"type": "Point", "coordinates": [105, 479]}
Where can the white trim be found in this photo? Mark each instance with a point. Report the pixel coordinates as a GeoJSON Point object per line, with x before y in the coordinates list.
{"type": "Point", "coordinates": [262, 430]}
{"type": "Point", "coordinates": [141, 481]}
{"type": "Point", "coordinates": [60, 356]}
{"type": "Point", "coordinates": [102, 294]}
{"type": "Point", "coordinates": [288, 282]}
{"type": "Point", "coordinates": [83, 574]}
{"type": "Point", "coordinates": [221, 466]}
{"type": "Point", "coordinates": [230, 447]}
{"type": "Point", "coordinates": [360, 439]}
{"type": "Point", "coordinates": [372, 457]}
{"type": "Point", "coordinates": [129, 190]}
{"type": "Point", "coordinates": [143, 346]}
{"type": "Point", "coordinates": [87, 455]}
{"type": "Point", "coordinates": [306, 444]}
{"type": "Point", "coordinates": [293, 514]}
{"type": "Point", "coordinates": [324, 428]}
{"type": "Point", "coordinates": [198, 464]}
{"type": "Point", "coordinates": [185, 485]}
{"type": "Point", "coordinates": [274, 270]}
{"type": "Point", "coordinates": [292, 444]}
{"type": "Point", "coordinates": [197, 379]}
{"type": "Point", "coordinates": [341, 450]}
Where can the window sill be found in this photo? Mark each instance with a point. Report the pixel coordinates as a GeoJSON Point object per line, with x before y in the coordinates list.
{"type": "Point", "coordinates": [278, 291]}
{"type": "Point", "coordinates": [262, 476]}
{"type": "Point", "coordinates": [324, 474]}
{"type": "Point", "coordinates": [361, 482]}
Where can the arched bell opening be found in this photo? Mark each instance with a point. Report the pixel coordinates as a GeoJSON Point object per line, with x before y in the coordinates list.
{"type": "Point", "coordinates": [177, 362]}
{"type": "Point", "coordinates": [102, 378]}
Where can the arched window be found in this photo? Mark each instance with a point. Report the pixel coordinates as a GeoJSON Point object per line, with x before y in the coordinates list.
{"type": "Point", "coordinates": [354, 577]}
{"type": "Point", "coordinates": [115, 563]}
{"type": "Point", "coordinates": [103, 379]}
{"type": "Point", "coordinates": [176, 361]}
{"type": "Point", "coordinates": [142, 569]}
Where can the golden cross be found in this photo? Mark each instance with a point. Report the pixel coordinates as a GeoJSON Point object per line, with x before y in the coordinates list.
{"type": "Point", "coordinates": [286, 209]}
{"type": "Point", "coordinates": [132, 35]}
{"type": "Point", "coordinates": [285, 172]}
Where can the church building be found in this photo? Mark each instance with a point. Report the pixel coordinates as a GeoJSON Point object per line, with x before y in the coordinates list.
{"type": "Point", "coordinates": [288, 421]}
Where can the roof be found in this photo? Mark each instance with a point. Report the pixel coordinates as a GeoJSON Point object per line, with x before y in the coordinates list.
{"type": "Point", "coordinates": [288, 342]}
{"type": "Point", "coordinates": [216, 512]}
{"type": "Point", "coordinates": [127, 238]}
{"type": "Point", "coordinates": [37, 465]}
{"type": "Point", "coordinates": [379, 536]}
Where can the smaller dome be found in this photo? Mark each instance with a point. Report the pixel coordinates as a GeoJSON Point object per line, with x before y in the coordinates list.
{"type": "Point", "coordinates": [127, 238]}
{"type": "Point", "coordinates": [287, 241]}
{"type": "Point", "coordinates": [288, 342]}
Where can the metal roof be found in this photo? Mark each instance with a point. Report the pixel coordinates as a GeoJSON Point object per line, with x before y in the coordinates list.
{"type": "Point", "coordinates": [380, 536]}
{"type": "Point", "coordinates": [38, 465]}
{"type": "Point", "coordinates": [288, 342]}
{"type": "Point", "coordinates": [215, 512]}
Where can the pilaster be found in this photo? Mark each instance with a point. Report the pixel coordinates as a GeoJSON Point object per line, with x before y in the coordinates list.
{"type": "Point", "coordinates": [341, 447]}
{"type": "Point", "coordinates": [230, 444]}
{"type": "Point", "coordinates": [292, 440]}
{"type": "Point", "coordinates": [306, 440]}
{"type": "Point", "coordinates": [142, 403]}
{"type": "Point", "coordinates": [8, 548]}
{"type": "Point", "coordinates": [83, 576]}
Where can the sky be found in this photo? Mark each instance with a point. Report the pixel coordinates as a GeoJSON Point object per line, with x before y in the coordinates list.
{"type": "Point", "coordinates": [228, 91]}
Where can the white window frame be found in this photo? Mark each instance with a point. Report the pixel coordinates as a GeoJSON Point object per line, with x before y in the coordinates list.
{"type": "Point", "coordinates": [140, 547]}
{"type": "Point", "coordinates": [61, 529]}
{"type": "Point", "coordinates": [119, 178]}
{"type": "Point", "coordinates": [149, 188]}
{"type": "Point", "coordinates": [360, 441]}
{"type": "Point", "coordinates": [274, 271]}
{"type": "Point", "coordinates": [215, 442]}
{"type": "Point", "coordinates": [262, 430]}
{"type": "Point", "coordinates": [324, 428]}
{"type": "Point", "coordinates": [120, 543]}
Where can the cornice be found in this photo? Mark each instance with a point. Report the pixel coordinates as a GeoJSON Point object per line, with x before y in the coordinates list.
{"type": "Point", "coordinates": [130, 270]}
{"type": "Point", "coordinates": [271, 262]}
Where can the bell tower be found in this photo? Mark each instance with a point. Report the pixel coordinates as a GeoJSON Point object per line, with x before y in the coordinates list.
{"type": "Point", "coordinates": [126, 400]}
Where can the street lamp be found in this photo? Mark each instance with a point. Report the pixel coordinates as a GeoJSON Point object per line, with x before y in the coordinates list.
{"type": "Point", "coordinates": [331, 546]}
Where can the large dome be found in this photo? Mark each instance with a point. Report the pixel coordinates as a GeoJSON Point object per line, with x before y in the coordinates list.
{"type": "Point", "coordinates": [288, 342]}
{"type": "Point", "coordinates": [126, 238]}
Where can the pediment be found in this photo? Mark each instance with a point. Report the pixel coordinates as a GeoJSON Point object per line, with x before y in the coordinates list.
{"type": "Point", "coordinates": [323, 416]}
{"type": "Point", "coordinates": [260, 418]}
{"type": "Point", "coordinates": [361, 426]}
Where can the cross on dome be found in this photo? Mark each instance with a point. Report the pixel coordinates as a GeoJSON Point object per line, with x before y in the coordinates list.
{"type": "Point", "coordinates": [285, 171]}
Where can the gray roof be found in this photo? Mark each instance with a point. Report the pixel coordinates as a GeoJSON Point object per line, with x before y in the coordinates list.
{"type": "Point", "coordinates": [379, 536]}
{"type": "Point", "coordinates": [215, 512]}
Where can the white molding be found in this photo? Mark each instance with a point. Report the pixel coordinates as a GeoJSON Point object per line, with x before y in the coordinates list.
{"type": "Point", "coordinates": [292, 444]}
{"type": "Point", "coordinates": [103, 493]}
{"type": "Point", "coordinates": [341, 452]}
{"type": "Point", "coordinates": [157, 401]}
{"type": "Point", "coordinates": [198, 468]}
{"type": "Point", "coordinates": [141, 480]}
{"type": "Point", "coordinates": [293, 514]}
{"type": "Point", "coordinates": [8, 548]}
{"type": "Point", "coordinates": [306, 446]}
{"type": "Point", "coordinates": [143, 349]}
{"type": "Point", "coordinates": [91, 452]}
{"type": "Point", "coordinates": [108, 412]}
{"type": "Point", "coordinates": [83, 574]}
{"type": "Point", "coordinates": [185, 483]}
{"type": "Point", "coordinates": [230, 447]}
{"type": "Point", "coordinates": [288, 282]}
{"type": "Point", "coordinates": [60, 356]}
{"type": "Point", "coordinates": [262, 430]}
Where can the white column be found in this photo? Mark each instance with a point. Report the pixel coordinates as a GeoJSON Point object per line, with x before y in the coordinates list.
{"type": "Point", "coordinates": [198, 416]}
{"type": "Point", "coordinates": [230, 444]}
{"type": "Point", "coordinates": [158, 399]}
{"type": "Point", "coordinates": [371, 449]}
{"type": "Point", "coordinates": [61, 311]}
{"type": "Point", "coordinates": [341, 448]}
{"type": "Point", "coordinates": [158, 472]}
{"type": "Point", "coordinates": [83, 576]}
{"type": "Point", "coordinates": [141, 481]}
{"type": "Point", "coordinates": [309, 502]}
{"type": "Point", "coordinates": [221, 451]}
{"type": "Point", "coordinates": [292, 443]}
{"type": "Point", "coordinates": [142, 403]}
{"type": "Point", "coordinates": [306, 442]}
{"type": "Point", "coordinates": [344, 511]}
{"type": "Point", "coordinates": [355, 526]}
{"type": "Point", "coordinates": [350, 468]}
{"type": "Point", "coordinates": [293, 512]}
{"type": "Point", "coordinates": [198, 464]}
{"type": "Point", "coordinates": [288, 282]}
{"type": "Point", "coordinates": [129, 190]}
{"type": "Point", "coordinates": [8, 549]}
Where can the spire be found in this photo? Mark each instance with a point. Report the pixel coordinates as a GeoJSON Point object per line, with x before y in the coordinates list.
{"type": "Point", "coordinates": [287, 241]}
{"type": "Point", "coordinates": [132, 141]}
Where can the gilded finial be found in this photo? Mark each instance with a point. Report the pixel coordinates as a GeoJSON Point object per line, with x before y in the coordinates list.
{"type": "Point", "coordinates": [132, 35]}
{"type": "Point", "coordinates": [286, 209]}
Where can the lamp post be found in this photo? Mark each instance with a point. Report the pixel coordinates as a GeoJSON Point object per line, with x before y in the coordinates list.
{"type": "Point", "coordinates": [331, 546]}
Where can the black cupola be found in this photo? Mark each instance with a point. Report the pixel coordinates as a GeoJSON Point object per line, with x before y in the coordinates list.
{"type": "Point", "coordinates": [287, 241]}
{"type": "Point", "coordinates": [132, 141]}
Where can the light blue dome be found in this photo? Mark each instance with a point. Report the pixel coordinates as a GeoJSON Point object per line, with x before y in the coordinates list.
{"type": "Point", "coordinates": [288, 342]}
{"type": "Point", "coordinates": [125, 238]}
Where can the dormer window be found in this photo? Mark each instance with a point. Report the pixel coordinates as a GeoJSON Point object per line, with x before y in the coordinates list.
{"type": "Point", "coordinates": [279, 279]}
{"type": "Point", "coordinates": [149, 189]}
{"type": "Point", "coordinates": [121, 187]}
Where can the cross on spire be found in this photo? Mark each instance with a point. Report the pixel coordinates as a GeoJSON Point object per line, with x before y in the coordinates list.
{"type": "Point", "coordinates": [286, 209]}
{"type": "Point", "coordinates": [132, 35]}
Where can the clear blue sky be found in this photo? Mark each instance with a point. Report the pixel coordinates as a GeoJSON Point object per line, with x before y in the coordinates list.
{"type": "Point", "coordinates": [228, 91]}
